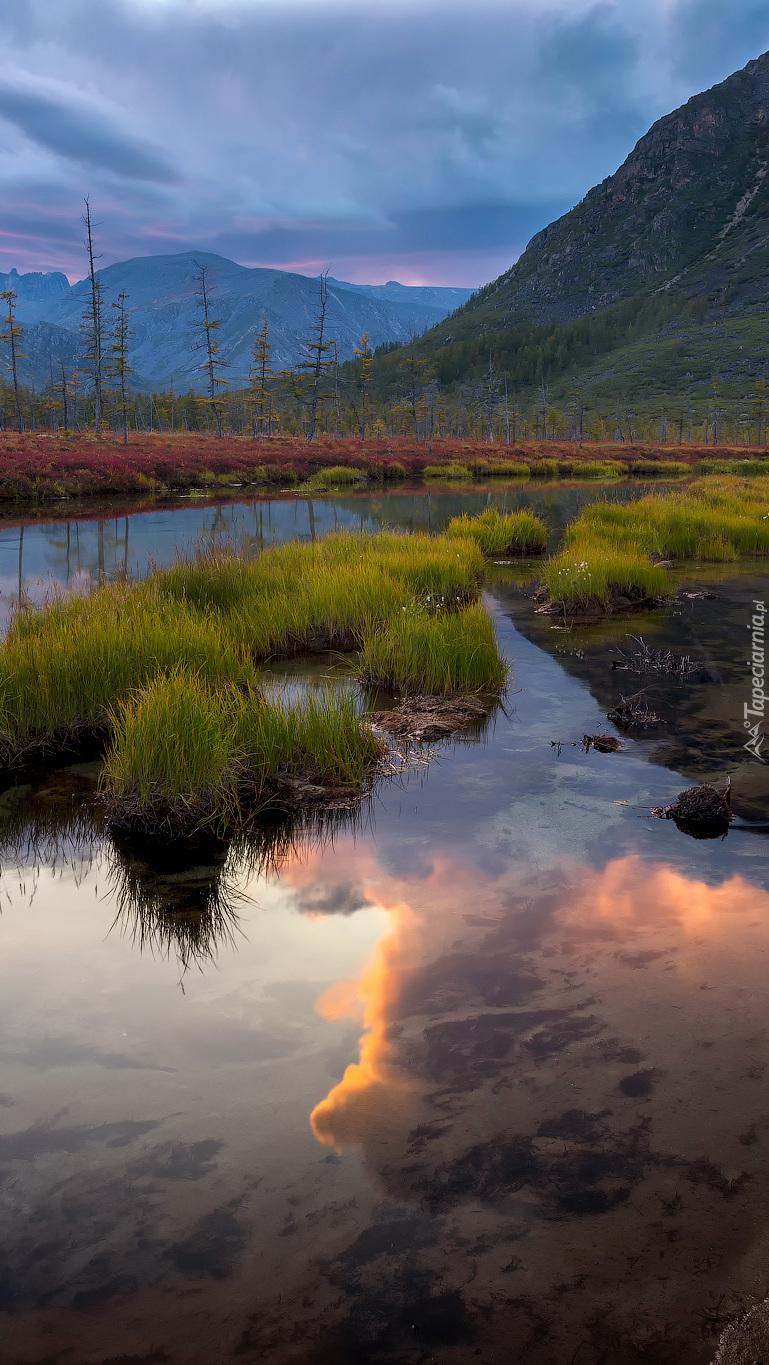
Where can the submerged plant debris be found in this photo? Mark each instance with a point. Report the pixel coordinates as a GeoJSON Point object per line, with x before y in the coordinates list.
{"type": "Point", "coordinates": [702, 811]}
{"type": "Point", "coordinates": [431, 718]}
{"type": "Point", "coordinates": [645, 659]}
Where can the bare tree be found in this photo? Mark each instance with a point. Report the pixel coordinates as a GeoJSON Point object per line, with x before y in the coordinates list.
{"type": "Point", "coordinates": [93, 321]}
{"type": "Point", "coordinates": [490, 398]}
{"type": "Point", "coordinates": [210, 343]}
{"type": "Point", "coordinates": [317, 348]}
{"type": "Point", "coordinates": [12, 337]}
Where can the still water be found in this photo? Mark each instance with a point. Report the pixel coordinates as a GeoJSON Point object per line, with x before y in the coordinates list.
{"type": "Point", "coordinates": [48, 550]}
{"type": "Point", "coordinates": [482, 1075]}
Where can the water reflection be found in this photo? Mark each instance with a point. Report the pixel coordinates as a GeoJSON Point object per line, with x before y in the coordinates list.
{"type": "Point", "coordinates": [170, 898]}
{"type": "Point", "coordinates": [126, 537]}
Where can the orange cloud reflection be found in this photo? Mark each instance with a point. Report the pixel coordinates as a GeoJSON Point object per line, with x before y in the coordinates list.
{"type": "Point", "coordinates": [466, 917]}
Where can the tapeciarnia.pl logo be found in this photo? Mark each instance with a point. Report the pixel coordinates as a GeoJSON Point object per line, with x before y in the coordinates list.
{"type": "Point", "coordinates": [754, 711]}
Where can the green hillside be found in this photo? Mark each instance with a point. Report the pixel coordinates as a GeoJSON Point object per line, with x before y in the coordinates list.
{"type": "Point", "coordinates": [657, 282]}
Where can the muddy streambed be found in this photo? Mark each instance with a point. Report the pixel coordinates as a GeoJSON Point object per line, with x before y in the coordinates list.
{"type": "Point", "coordinates": [479, 1074]}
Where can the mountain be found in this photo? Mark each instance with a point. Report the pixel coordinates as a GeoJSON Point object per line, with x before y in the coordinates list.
{"type": "Point", "coordinates": [35, 285]}
{"type": "Point", "coordinates": [164, 306]}
{"type": "Point", "coordinates": [655, 282]}
{"type": "Point", "coordinates": [443, 298]}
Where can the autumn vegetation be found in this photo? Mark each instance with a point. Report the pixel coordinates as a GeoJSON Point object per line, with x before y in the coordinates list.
{"type": "Point", "coordinates": [41, 467]}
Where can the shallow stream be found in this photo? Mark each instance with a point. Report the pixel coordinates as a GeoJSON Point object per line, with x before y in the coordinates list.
{"type": "Point", "coordinates": [479, 1075]}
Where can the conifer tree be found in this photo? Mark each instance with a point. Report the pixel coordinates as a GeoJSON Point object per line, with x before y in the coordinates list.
{"type": "Point", "coordinates": [12, 337]}
{"type": "Point", "coordinates": [119, 367]}
{"type": "Point", "coordinates": [261, 370]}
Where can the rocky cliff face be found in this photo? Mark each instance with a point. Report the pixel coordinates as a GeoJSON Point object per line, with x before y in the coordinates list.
{"type": "Point", "coordinates": [35, 285]}
{"type": "Point", "coordinates": [681, 211]}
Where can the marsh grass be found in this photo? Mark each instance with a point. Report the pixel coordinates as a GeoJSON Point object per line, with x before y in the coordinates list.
{"type": "Point", "coordinates": [544, 469]}
{"type": "Point", "coordinates": [591, 573]}
{"type": "Point", "coordinates": [185, 757]}
{"type": "Point", "coordinates": [68, 669]}
{"type": "Point", "coordinates": [63, 667]}
{"type": "Point", "coordinates": [508, 469]}
{"type": "Point", "coordinates": [496, 533]}
{"type": "Point", "coordinates": [321, 737]}
{"type": "Point", "coordinates": [441, 655]}
{"type": "Point", "coordinates": [660, 469]}
{"type": "Point", "coordinates": [610, 547]}
{"type": "Point", "coordinates": [446, 471]}
{"type": "Point", "coordinates": [172, 761]}
{"type": "Point", "coordinates": [338, 476]}
{"type": "Point", "coordinates": [745, 468]}
{"type": "Point", "coordinates": [592, 469]}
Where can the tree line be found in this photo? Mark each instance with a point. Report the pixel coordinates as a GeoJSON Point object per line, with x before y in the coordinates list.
{"type": "Point", "coordinates": [494, 387]}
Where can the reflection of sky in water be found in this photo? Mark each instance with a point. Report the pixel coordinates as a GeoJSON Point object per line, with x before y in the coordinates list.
{"type": "Point", "coordinates": [399, 1081]}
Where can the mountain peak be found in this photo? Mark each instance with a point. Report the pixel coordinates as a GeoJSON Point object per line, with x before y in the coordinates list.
{"type": "Point", "coordinates": [685, 187]}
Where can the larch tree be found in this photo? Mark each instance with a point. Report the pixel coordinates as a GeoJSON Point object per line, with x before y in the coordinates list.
{"type": "Point", "coordinates": [317, 361]}
{"type": "Point", "coordinates": [119, 366]}
{"type": "Point", "coordinates": [363, 351]}
{"type": "Point", "coordinates": [209, 342]}
{"type": "Point", "coordinates": [92, 326]}
{"type": "Point", "coordinates": [258, 393]}
{"type": "Point", "coordinates": [12, 337]}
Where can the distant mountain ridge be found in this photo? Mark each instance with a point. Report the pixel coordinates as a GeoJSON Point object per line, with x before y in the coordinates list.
{"type": "Point", "coordinates": [35, 285]}
{"type": "Point", "coordinates": [164, 305]}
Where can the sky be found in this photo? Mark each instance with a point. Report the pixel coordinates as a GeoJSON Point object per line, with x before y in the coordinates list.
{"type": "Point", "coordinates": [418, 140]}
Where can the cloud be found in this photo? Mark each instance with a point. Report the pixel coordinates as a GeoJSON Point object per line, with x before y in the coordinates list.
{"type": "Point", "coordinates": [417, 140]}
{"type": "Point", "coordinates": [80, 130]}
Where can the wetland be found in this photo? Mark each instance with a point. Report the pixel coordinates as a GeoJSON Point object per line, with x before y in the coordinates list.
{"type": "Point", "coordinates": [474, 1069]}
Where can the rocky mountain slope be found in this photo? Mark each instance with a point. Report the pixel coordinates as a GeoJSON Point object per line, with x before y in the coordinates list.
{"type": "Point", "coordinates": [674, 246]}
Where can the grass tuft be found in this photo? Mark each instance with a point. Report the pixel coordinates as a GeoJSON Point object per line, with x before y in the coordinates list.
{"type": "Point", "coordinates": [185, 757]}
{"type": "Point", "coordinates": [446, 471]}
{"type": "Point", "coordinates": [610, 547]}
{"type": "Point", "coordinates": [338, 476]}
{"type": "Point", "coordinates": [441, 655]}
{"type": "Point", "coordinates": [520, 533]}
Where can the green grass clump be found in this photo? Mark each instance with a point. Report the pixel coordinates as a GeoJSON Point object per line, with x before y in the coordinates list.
{"type": "Point", "coordinates": [508, 469]}
{"type": "Point", "coordinates": [297, 596]}
{"type": "Point", "coordinates": [321, 737]}
{"type": "Point", "coordinates": [421, 653]}
{"type": "Point", "coordinates": [747, 468]}
{"type": "Point", "coordinates": [445, 471]}
{"type": "Point", "coordinates": [173, 762]}
{"type": "Point", "coordinates": [63, 668]}
{"type": "Point", "coordinates": [543, 469]}
{"type": "Point", "coordinates": [186, 757]}
{"type": "Point", "coordinates": [610, 547]}
{"type": "Point", "coordinates": [594, 469]}
{"type": "Point", "coordinates": [520, 533]}
{"type": "Point", "coordinates": [338, 476]}
{"type": "Point", "coordinates": [659, 469]}
{"type": "Point", "coordinates": [678, 525]}
{"type": "Point", "coordinates": [590, 573]}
